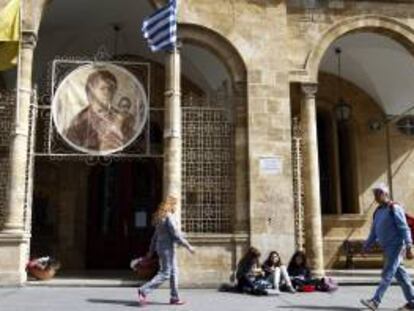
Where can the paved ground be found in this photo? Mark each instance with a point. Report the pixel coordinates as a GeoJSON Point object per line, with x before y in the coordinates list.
{"type": "Point", "coordinates": [123, 298]}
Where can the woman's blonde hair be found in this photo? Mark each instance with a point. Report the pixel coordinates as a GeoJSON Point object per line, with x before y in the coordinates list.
{"type": "Point", "coordinates": [166, 206]}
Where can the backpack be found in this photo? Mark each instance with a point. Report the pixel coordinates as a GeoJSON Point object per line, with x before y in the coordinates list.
{"type": "Point", "coordinates": [327, 284]}
{"type": "Point", "coordinates": [410, 223]}
{"type": "Point", "coordinates": [408, 217]}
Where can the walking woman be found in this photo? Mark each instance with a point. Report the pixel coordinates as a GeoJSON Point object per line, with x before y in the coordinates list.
{"type": "Point", "coordinates": [163, 242]}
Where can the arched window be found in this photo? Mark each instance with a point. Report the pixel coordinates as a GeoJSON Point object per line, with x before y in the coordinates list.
{"type": "Point", "coordinates": [208, 146]}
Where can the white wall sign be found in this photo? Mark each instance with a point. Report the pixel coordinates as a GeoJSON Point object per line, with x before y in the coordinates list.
{"type": "Point", "coordinates": [271, 165]}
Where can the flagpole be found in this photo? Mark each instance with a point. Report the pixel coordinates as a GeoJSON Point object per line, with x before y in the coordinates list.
{"type": "Point", "coordinates": [160, 29]}
{"type": "Point", "coordinates": [172, 128]}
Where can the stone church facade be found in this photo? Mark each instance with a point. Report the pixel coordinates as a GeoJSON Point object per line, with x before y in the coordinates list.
{"type": "Point", "coordinates": [283, 172]}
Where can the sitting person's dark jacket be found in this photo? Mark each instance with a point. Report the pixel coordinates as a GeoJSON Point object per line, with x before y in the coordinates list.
{"type": "Point", "coordinates": [299, 271]}
{"type": "Point", "coordinates": [301, 275]}
{"type": "Point", "coordinates": [247, 270]}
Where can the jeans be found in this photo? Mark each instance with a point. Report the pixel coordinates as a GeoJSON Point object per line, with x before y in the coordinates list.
{"type": "Point", "coordinates": [278, 275]}
{"type": "Point", "coordinates": [245, 283]}
{"type": "Point", "coordinates": [168, 270]}
{"type": "Point", "coordinates": [393, 266]}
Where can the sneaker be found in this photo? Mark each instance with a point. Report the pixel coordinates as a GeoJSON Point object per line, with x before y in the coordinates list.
{"type": "Point", "coordinates": [370, 304]}
{"type": "Point", "coordinates": [142, 298]}
{"type": "Point", "coordinates": [291, 290]}
{"type": "Point", "coordinates": [407, 306]}
{"type": "Point", "coordinates": [177, 301]}
{"type": "Point", "coordinates": [274, 291]}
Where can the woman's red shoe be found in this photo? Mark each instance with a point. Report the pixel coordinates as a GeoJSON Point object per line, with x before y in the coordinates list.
{"type": "Point", "coordinates": [176, 301]}
{"type": "Point", "coordinates": [142, 299]}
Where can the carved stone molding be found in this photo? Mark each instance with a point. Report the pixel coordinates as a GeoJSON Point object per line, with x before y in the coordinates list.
{"type": "Point", "coordinates": [29, 39]}
{"type": "Point", "coordinates": [309, 89]}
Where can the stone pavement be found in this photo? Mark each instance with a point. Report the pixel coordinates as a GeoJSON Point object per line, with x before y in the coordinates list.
{"type": "Point", "coordinates": [123, 298]}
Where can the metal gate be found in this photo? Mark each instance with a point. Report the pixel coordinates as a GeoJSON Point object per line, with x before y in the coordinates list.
{"type": "Point", "coordinates": [208, 165]}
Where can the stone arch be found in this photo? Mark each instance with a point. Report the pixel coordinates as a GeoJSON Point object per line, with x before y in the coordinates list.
{"type": "Point", "coordinates": [383, 25]}
{"type": "Point", "coordinates": [209, 39]}
{"type": "Point", "coordinates": [216, 44]}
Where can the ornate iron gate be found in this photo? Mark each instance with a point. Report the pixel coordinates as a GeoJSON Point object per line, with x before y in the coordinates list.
{"type": "Point", "coordinates": [208, 165]}
{"type": "Point", "coordinates": [298, 184]}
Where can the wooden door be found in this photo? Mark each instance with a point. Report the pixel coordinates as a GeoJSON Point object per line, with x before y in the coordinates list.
{"type": "Point", "coordinates": [122, 198]}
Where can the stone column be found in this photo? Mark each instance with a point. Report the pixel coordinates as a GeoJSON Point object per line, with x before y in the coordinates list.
{"type": "Point", "coordinates": [313, 213]}
{"type": "Point", "coordinates": [20, 140]}
{"type": "Point", "coordinates": [14, 238]}
{"type": "Point", "coordinates": [172, 128]}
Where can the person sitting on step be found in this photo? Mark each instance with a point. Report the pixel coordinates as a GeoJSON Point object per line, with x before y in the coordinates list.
{"type": "Point", "coordinates": [276, 273]}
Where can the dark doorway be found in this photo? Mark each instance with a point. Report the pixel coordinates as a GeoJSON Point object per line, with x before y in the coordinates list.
{"type": "Point", "coordinates": [122, 198]}
{"type": "Point", "coordinates": [326, 164]}
{"type": "Point", "coordinates": [347, 168]}
{"type": "Point", "coordinates": [337, 165]}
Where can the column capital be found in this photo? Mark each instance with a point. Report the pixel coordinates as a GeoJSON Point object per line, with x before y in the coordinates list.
{"type": "Point", "coordinates": [29, 39]}
{"type": "Point", "coordinates": [309, 89]}
{"type": "Point", "coordinates": [179, 44]}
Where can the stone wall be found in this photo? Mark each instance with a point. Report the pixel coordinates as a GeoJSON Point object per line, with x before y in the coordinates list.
{"type": "Point", "coordinates": [277, 42]}
{"type": "Point", "coordinates": [402, 159]}
{"type": "Point", "coordinates": [307, 27]}
{"type": "Point", "coordinates": [310, 33]}
{"type": "Point", "coordinates": [371, 164]}
{"type": "Point", "coordinates": [258, 31]}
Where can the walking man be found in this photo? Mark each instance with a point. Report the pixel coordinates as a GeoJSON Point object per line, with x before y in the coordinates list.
{"type": "Point", "coordinates": [391, 231]}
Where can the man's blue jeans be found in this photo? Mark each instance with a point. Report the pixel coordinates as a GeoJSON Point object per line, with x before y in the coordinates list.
{"type": "Point", "coordinates": [393, 266]}
{"type": "Point", "coordinates": [168, 270]}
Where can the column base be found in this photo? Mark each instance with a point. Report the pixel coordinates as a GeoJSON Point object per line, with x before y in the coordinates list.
{"type": "Point", "coordinates": [13, 251]}
{"type": "Point", "coordinates": [320, 273]}
{"type": "Point", "coordinates": [14, 230]}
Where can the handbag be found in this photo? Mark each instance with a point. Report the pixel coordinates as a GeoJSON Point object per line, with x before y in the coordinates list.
{"type": "Point", "coordinates": [144, 267]}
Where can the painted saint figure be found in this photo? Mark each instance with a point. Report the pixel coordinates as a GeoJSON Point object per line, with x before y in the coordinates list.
{"type": "Point", "coordinates": [101, 125]}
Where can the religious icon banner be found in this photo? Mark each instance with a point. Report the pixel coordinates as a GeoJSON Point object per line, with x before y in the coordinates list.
{"type": "Point", "coordinates": [100, 108]}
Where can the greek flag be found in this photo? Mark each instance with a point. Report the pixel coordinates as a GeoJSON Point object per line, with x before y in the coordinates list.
{"type": "Point", "coordinates": [160, 28]}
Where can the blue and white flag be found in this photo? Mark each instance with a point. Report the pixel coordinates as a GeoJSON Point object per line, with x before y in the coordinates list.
{"type": "Point", "coordinates": [160, 28]}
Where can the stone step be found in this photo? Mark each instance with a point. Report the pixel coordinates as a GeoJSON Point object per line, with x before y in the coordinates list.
{"type": "Point", "coordinates": [358, 277]}
{"type": "Point", "coordinates": [127, 279]}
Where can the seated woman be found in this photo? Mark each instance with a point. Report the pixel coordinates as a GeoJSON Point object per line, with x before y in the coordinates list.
{"type": "Point", "coordinates": [299, 271]}
{"type": "Point", "coordinates": [276, 273]}
{"type": "Point", "coordinates": [248, 271]}
{"type": "Point", "coordinates": [300, 275]}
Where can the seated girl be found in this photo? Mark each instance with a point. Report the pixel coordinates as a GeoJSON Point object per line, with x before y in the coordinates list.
{"type": "Point", "coordinates": [276, 273]}
{"type": "Point", "coordinates": [248, 271]}
{"type": "Point", "coordinates": [299, 271]}
{"type": "Point", "coordinates": [300, 275]}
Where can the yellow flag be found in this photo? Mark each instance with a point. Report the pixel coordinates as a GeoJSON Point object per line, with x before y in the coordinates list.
{"type": "Point", "coordinates": [9, 34]}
